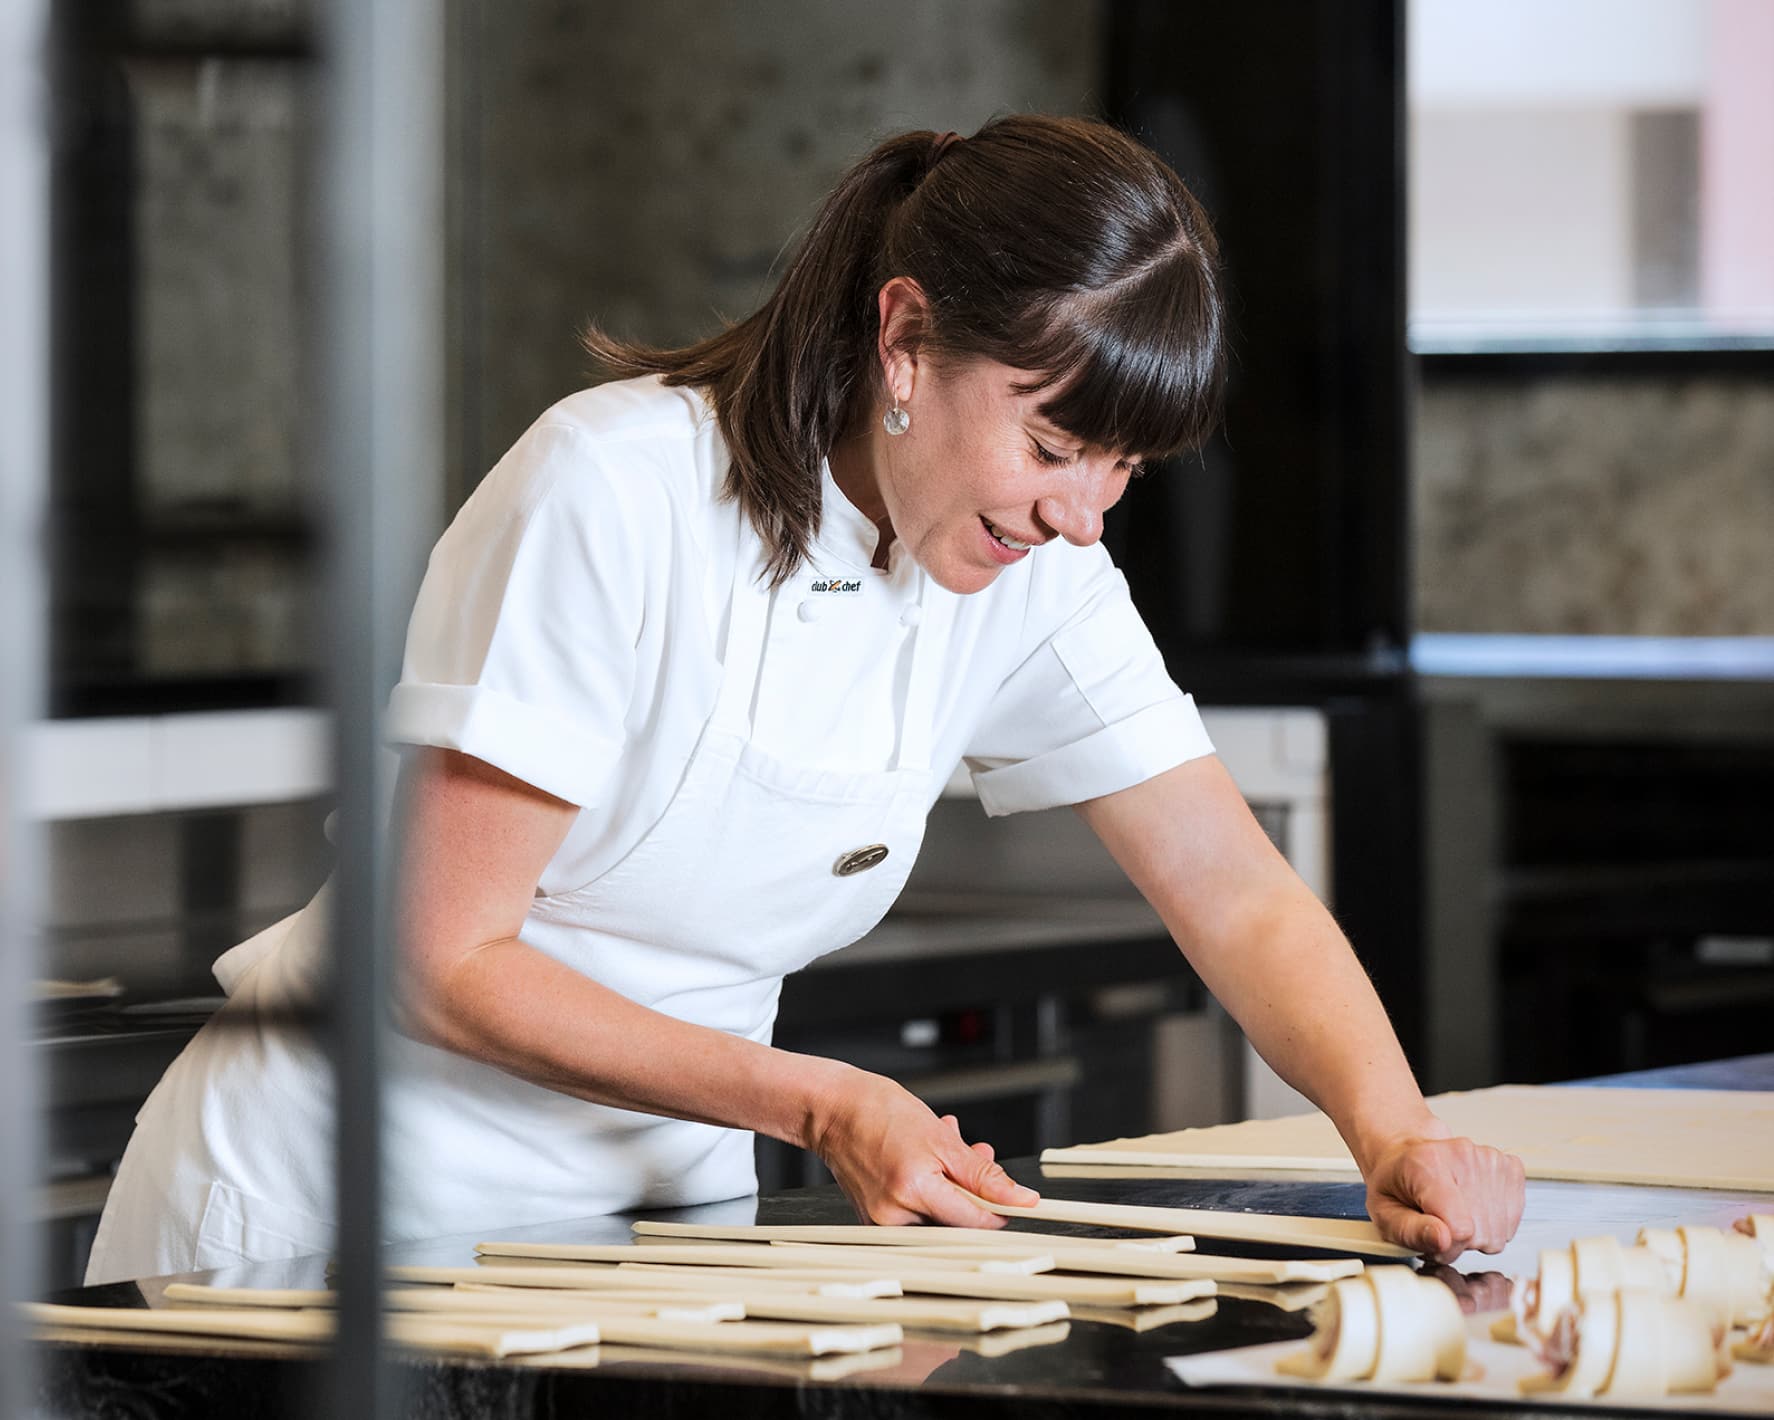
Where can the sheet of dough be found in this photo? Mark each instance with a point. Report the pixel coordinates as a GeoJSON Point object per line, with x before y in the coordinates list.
{"type": "Point", "coordinates": [1720, 1139]}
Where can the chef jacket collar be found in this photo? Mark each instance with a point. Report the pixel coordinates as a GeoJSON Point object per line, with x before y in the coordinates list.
{"type": "Point", "coordinates": [846, 533]}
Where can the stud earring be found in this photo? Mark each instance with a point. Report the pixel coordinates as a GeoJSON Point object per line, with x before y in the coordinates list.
{"type": "Point", "coordinates": [896, 420]}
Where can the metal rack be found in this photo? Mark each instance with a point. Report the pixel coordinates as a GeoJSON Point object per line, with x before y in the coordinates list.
{"type": "Point", "coordinates": [376, 342]}
{"type": "Point", "coordinates": [24, 434]}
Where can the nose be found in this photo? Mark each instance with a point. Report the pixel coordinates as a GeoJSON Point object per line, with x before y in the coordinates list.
{"type": "Point", "coordinates": [1075, 508]}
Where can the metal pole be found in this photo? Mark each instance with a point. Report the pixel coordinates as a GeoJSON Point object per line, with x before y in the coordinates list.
{"type": "Point", "coordinates": [378, 372]}
{"type": "Point", "coordinates": [24, 460]}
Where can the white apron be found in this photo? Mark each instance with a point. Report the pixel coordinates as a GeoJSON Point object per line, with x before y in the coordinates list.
{"type": "Point", "coordinates": [749, 874]}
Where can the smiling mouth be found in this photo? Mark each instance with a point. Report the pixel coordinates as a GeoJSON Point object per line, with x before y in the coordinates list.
{"type": "Point", "coordinates": [1014, 544]}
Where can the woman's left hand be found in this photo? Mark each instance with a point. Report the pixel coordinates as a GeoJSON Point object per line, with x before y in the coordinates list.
{"type": "Point", "coordinates": [1445, 1196]}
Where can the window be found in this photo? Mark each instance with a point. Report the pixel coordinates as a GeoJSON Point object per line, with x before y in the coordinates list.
{"type": "Point", "coordinates": [1591, 173]}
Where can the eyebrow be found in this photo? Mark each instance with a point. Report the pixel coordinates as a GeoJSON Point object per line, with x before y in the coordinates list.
{"type": "Point", "coordinates": [1052, 432]}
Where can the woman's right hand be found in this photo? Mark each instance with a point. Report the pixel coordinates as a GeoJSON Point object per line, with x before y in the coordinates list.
{"type": "Point", "coordinates": [897, 1162]}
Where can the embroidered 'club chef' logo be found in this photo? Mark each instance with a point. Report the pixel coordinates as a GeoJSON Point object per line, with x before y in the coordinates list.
{"type": "Point", "coordinates": [837, 586]}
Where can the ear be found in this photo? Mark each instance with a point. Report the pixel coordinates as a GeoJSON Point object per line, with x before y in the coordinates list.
{"type": "Point", "coordinates": [904, 310]}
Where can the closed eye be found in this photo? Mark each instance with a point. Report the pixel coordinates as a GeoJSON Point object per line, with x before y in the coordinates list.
{"type": "Point", "coordinates": [1047, 455]}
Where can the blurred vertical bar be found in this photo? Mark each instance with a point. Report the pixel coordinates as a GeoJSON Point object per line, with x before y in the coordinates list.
{"type": "Point", "coordinates": [24, 460]}
{"type": "Point", "coordinates": [377, 365]}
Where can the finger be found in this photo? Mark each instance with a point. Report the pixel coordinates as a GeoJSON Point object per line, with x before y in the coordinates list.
{"type": "Point", "coordinates": [1509, 1199]}
{"type": "Point", "coordinates": [1433, 1188]}
{"type": "Point", "coordinates": [1404, 1225]}
{"type": "Point", "coordinates": [982, 1175]}
{"type": "Point", "coordinates": [945, 1201]}
{"type": "Point", "coordinates": [984, 1150]}
{"type": "Point", "coordinates": [988, 1180]}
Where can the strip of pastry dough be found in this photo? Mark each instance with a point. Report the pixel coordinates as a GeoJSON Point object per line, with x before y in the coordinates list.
{"type": "Point", "coordinates": [1047, 1287]}
{"type": "Point", "coordinates": [1330, 1234]}
{"type": "Point", "coordinates": [1389, 1324]}
{"type": "Point", "coordinates": [897, 1235]}
{"type": "Point", "coordinates": [495, 1338]}
{"type": "Point", "coordinates": [1149, 1318]}
{"type": "Point", "coordinates": [251, 1323]}
{"type": "Point", "coordinates": [768, 1336]}
{"type": "Point", "coordinates": [687, 1279]}
{"type": "Point", "coordinates": [881, 1262]}
{"type": "Point", "coordinates": [287, 1298]}
{"type": "Point", "coordinates": [1288, 1297]}
{"type": "Point", "coordinates": [511, 1300]}
{"type": "Point", "coordinates": [267, 1324]}
{"type": "Point", "coordinates": [1123, 1262]}
{"type": "Point", "coordinates": [960, 1316]}
{"type": "Point", "coordinates": [920, 1312]}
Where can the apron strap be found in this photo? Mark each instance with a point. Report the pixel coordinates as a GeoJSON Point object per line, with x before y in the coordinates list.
{"type": "Point", "coordinates": [917, 725]}
{"type": "Point", "coordinates": [748, 619]}
{"type": "Point", "coordinates": [748, 623]}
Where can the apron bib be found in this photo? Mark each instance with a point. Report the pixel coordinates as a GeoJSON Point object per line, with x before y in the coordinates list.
{"type": "Point", "coordinates": [756, 867]}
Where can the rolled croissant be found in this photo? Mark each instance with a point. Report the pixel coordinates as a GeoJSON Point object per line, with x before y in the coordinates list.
{"type": "Point", "coordinates": [1589, 1267]}
{"type": "Point", "coordinates": [1346, 1344]}
{"type": "Point", "coordinates": [1606, 1264]}
{"type": "Point", "coordinates": [1725, 1272]}
{"type": "Point", "coordinates": [1388, 1324]}
{"type": "Point", "coordinates": [1631, 1344]}
{"type": "Point", "coordinates": [1758, 1346]}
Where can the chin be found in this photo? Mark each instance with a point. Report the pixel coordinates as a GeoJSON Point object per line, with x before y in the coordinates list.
{"type": "Point", "coordinates": [963, 580]}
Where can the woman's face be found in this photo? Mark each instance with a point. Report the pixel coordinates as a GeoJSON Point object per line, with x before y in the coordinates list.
{"type": "Point", "coordinates": [980, 480]}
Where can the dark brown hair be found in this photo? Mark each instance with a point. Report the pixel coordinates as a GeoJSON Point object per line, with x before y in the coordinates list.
{"type": "Point", "coordinates": [1054, 245]}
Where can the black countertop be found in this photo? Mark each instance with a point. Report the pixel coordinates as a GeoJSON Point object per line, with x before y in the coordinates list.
{"type": "Point", "coordinates": [1086, 1367]}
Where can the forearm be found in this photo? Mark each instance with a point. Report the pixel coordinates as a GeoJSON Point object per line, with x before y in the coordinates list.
{"type": "Point", "coordinates": [1285, 971]}
{"type": "Point", "coordinates": [518, 1009]}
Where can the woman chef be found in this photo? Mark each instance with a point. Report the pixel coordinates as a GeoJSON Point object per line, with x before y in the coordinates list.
{"type": "Point", "coordinates": [683, 680]}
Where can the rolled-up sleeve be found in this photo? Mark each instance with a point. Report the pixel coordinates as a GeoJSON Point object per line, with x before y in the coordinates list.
{"type": "Point", "coordinates": [521, 647]}
{"type": "Point", "coordinates": [1090, 710]}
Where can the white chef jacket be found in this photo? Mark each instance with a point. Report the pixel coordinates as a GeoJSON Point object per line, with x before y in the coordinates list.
{"type": "Point", "coordinates": [571, 625]}
{"type": "Point", "coordinates": [571, 630]}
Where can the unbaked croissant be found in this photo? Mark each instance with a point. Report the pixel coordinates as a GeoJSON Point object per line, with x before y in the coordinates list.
{"type": "Point", "coordinates": [1758, 1346]}
{"type": "Point", "coordinates": [1589, 1267]}
{"type": "Point", "coordinates": [1726, 1272]}
{"type": "Point", "coordinates": [1631, 1344]}
{"type": "Point", "coordinates": [1388, 1324]}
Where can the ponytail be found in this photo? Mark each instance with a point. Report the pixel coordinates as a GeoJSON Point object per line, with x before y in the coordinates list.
{"type": "Point", "coordinates": [783, 380]}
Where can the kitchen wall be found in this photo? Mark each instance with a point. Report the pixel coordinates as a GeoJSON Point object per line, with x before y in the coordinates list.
{"type": "Point", "coordinates": [646, 165]}
{"type": "Point", "coordinates": [1618, 505]}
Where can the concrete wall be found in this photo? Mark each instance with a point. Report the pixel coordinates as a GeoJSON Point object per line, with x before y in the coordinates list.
{"type": "Point", "coordinates": [646, 164]}
{"type": "Point", "coordinates": [1631, 505]}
